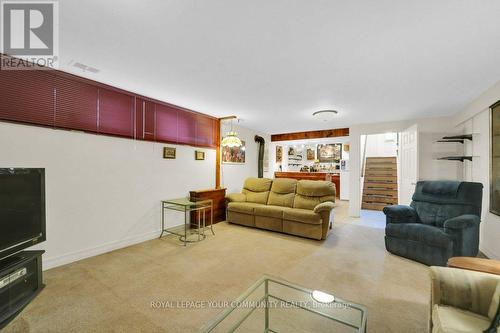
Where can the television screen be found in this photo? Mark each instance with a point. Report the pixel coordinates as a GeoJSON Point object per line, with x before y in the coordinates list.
{"type": "Point", "coordinates": [22, 208]}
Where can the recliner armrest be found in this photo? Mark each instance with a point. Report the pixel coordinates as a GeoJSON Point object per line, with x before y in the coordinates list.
{"type": "Point", "coordinates": [400, 214]}
{"type": "Point", "coordinates": [462, 222]}
{"type": "Point", "coordinates": [236, 197]}
{"type": "Point", "coordinates": [324, 206]}
{"type": "Point", "coordinates": [463, 289]}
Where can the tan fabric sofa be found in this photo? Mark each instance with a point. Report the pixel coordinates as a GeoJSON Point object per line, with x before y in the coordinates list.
{"type": "Point", "coordinates": [463, 301]}
{"type": "Point", "coordinates": [303, 208]}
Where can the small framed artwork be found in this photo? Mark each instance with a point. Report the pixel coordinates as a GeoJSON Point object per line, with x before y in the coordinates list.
{"type": "Point", "coordinates": [346, 147]}
{"type": "Point", "coordinates": [310, 154]}
{"type": "Point", "coordinates": [169, 152]}
{"type": "Point", "coordinates": [279, 154]}
{"type": "Point", "coordinates": [330, 153]}
{"type": "Point", "coordinates": [199, 155]}
{"type": "Point", "coordinates": [234, 155]}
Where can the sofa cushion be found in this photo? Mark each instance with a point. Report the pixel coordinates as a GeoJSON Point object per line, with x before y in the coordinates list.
{"type": "Point", "coordinates": [310, 193]}
{"type": "Point", "coordinates": [256, 190]}
{"type": "Point", "coordinates": [282, 192]}
{"type": "Point", "coordinates": [256, 197]}
{"type": "Point", "coordinates": [419, 232]}
{"type": "Point", "coordinates": [258, 184]}
{"type": "Point", "coordinates": [243, 207]}
{"type": "Point", "coordinates": [315, 188]}
{"type": "Point", "coordinates": [301, 215]}
{"type": "Point", "coordinates": [447, 319]}
{"type": "Point", "coordinates": [269, 211]}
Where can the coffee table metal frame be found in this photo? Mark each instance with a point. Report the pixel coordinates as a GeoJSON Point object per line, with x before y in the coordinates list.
{"type": "Point", "coordinates": [266, 280]}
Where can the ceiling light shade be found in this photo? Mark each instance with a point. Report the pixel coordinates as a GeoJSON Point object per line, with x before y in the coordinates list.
{"type": "Point", "coordinates": [325, 115]}
{"type": "Point", "coordinates": [231, 140]}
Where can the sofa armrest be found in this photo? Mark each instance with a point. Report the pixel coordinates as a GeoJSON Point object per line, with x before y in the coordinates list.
{"type": "Point", "coordinates": [324, 207]}
{"type": "Point", "coordinates": [400, 214]}
{"type": "Point", "coordinates": [462, 222]}
{"type": "Point", "coordinates": [463, 289]}
{"type": "Point", "coordinates": [236, 197]}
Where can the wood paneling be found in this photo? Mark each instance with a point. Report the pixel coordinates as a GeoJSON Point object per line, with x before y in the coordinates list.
{"type": "Point", "coordinates": [311, 135]}
{"type": "Point", "coordinates": [334, 177]}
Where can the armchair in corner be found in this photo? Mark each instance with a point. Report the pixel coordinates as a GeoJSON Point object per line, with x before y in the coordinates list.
{"type": "Point", "coordinates": [441, 222]}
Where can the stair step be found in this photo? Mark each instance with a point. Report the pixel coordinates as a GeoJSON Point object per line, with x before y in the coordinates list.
{"type": "Point", "coordinates": [383, 191]}
{"type": "Point", "coordinates": [381, 200]}
{"type": "Point", "coordinates": [380, 186]}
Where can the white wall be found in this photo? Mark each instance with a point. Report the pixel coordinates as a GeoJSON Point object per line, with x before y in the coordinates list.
{"type": "Point", "coordinates": [233, 175]}
{"type": "Point", "coordinates": [380, 145]}
{"type": "Point", "coordinates": [102, 193]}
{"type": "Point", "coordinates": [475, 118]}
{"type": "Point", "coordinates": [429, 168]}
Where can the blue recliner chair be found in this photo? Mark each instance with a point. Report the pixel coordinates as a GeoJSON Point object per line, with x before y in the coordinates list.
{"type": "Point", "coordinates": [441, 222]}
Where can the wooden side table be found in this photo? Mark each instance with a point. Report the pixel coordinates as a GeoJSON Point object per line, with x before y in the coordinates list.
{"type": "Point", "coordinates": [218, 197]}
{"type": "Point", "coordinates": [475, 264]}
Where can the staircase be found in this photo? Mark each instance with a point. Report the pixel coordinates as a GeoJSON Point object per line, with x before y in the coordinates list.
{"type": "Point", "coordinates": [381, 183]}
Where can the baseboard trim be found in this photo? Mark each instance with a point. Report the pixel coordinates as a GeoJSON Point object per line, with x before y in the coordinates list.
{"type": "Point", "coordinates": [64, 259]}
{"type": "Point", "coordinates": [489, 254]}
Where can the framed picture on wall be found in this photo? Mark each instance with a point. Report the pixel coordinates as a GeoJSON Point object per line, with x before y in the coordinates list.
{"type": "Point", "coordinates": [279, 154]}
{"type": "Point", "coordinates": [234, 155]}
{"type": "Point", "coordinates": [329, 153]}
{"type": "Point", "coordinates": [169, 152]}
{"type": "Point", "coordinates": [310, 154]}
{"type": "Point", "coordinates": [495, 160]}
{"type": "Point", "coordinates": [199, 155]}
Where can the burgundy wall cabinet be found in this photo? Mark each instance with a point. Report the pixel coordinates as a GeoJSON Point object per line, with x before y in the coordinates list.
{"type": "Point", "coordinates": [27, 97]}
{"type": "Point", "coordinates": [61, 100]}
{"type": "Point", "coordinates": [76, 105]}
{"type": "Point", "coordinates": [167, 124]}
{"type": "Point", "coordinates": [116, 113]}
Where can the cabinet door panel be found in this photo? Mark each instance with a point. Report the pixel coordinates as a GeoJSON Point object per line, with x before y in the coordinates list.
{"type": "Point", "coordinates": [204, 131]}
{"type": "Point", "coordinates": [76, 105]}
{"type": "Point", "coordinates": [116, 113]}
{"type": "Point", "coordinates": [27, 96]}
{"type": "Point", "coordinates": [145, 120]}
{"type": "Point", "coordinates": [166, 123]}
{"type": "Point", "coordinates": [187, 127]}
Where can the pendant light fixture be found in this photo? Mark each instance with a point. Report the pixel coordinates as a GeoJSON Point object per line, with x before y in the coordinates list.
{"type": "Point", "coordinates": [231, 139]}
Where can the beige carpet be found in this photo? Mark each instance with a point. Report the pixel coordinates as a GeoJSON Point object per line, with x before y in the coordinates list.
{"type": "Point", "coordinates": [113, 292]}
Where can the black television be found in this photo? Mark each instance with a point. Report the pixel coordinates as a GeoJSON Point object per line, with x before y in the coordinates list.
{"type": "Point", "coordinates": [22, 209]}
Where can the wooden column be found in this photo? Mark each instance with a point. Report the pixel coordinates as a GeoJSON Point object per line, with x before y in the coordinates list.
{"type": "Point", "coordinates": [217, 154]}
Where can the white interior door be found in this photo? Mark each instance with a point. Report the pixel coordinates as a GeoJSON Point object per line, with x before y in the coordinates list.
{"type": "Point", "coordinates": [409, 164]}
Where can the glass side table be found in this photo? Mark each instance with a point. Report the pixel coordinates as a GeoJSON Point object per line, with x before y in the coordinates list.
{"type": "Point", "coordinates": [186, 232]}
{"type": "Point", "coordinates": [273, 305]}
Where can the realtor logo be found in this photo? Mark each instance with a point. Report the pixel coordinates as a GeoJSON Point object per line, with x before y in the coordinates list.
{"type": "Point", "coordinates": [30, 33]}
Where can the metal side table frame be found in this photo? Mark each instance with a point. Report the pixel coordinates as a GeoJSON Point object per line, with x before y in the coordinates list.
{"type": "Point", "coordinates": [186, 206]}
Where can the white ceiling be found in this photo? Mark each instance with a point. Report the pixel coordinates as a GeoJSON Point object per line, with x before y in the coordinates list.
{"type": "Point", "coordinates": [273, 63]}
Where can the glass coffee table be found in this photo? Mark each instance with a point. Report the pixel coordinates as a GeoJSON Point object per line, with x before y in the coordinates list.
{"type": "Point", "coordinates": [275, 305]}
{"type": "Point", "coordinates": [188, 232]}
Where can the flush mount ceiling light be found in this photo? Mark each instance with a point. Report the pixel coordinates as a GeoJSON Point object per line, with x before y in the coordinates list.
{"type": "Point", "coordinates": [325, 115]}
{"type": "Point", "coordinates": [231, 139]}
